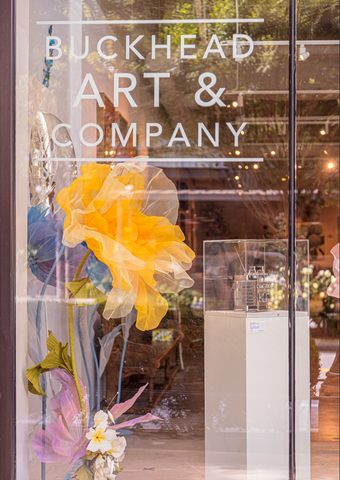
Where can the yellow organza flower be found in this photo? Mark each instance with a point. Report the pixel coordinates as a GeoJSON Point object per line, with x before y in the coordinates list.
{"type": "Point", "coordinates": [127, 217]}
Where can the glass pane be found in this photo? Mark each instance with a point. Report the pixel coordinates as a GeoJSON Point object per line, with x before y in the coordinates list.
{"type": "Point", "coordinates": [152, 200]}
{"type": "Point", "coordinates": [318, 220]}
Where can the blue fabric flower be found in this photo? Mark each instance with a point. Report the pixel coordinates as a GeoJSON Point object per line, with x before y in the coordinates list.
{"type": "Point", "coordinates": [44, 242]}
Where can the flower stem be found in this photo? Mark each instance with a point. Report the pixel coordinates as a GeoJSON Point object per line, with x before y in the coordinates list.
{"type": "Point", "coordinates": [72, 349]}
{"type": "Point", "coordinates": [81, 264]}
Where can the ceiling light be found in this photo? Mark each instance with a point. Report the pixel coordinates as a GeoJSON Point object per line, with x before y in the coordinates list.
{"type": "Point", "coordinates": [330, 165]}
{"type": "Point", "coordinates": [242, 132]}
{"type": "Point", "coordinates": [238, 152]}
{"type": "Point", "coordinates": [237, 177]}
{"type": "Point", "coordinates": [235, 104]}
{"type": "Point", "coordinates": [239, 185]}
{"type": "Point", "coordinates": [325, 152]}
{"type": "Point", "coordinates": [272, 152]}
{"type": "Point", "coordinates": [283, 179]}
{"type": "Point", "coordinates": [246, 167]}
{"type": "Point", "coordinates": [255, 166]}
{"type": "Point", "coordinates": [303, 54]}
{"type": "Point", "coordinates": [240, 167]}
{"type": "Point", "coordinates": [323, 132]}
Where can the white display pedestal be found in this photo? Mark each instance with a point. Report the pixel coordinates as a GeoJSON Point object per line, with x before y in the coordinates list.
{"type": "Point", "coordinates": [246, 396]}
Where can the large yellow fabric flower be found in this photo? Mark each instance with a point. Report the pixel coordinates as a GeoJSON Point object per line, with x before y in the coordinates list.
{"type": "Point", "coordinates": [127, 217]}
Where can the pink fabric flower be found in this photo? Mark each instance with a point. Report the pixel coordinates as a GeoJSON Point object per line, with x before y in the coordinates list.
{"type": "Point", "coordinates": [120, 408]}
{"type": "Point", "coordinates": [64, 440]}
{"type": "Point", "coordinates": [333, 289]}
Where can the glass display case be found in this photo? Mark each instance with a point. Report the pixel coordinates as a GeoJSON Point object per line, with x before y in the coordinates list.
{"type": "Point", "coordinates": [246, 358]}
{"type": "Point", "coordinates": [251, 275]}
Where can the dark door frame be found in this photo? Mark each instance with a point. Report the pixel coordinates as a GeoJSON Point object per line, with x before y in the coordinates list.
{"type": "Point", "coordinates": [7, 242]}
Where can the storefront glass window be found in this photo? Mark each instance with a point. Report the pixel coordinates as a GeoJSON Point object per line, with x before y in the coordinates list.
{"type": "Point", "coordinates": [152, 173]}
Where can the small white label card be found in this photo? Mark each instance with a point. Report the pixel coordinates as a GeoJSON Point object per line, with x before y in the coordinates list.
{"type": "Point", "coordinates": [257, 326]}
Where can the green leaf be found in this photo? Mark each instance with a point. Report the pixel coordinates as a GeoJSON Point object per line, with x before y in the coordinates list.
{"type": "Point", "coordinates": [57, 357]}
{"type": "Point", "coordinates": [120, 468]}
{"type": "Point", "coordinates": [51, 342]}
{"type": "Point", "coordinates": [33, 376]}
{"type": "Point", "coordinates": [90, 455]}
{"type": "Point", "coordinates": [84, 473]}
{"type": "Point", "coordinates": [67, 359]}
{"type": "Point", "coordinates": [85, 292]}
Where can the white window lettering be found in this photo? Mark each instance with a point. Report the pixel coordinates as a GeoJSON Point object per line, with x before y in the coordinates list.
{"type": "Point", "coordinates": [55, 46]}
{"type": "Point", "coordinates": [152, 134]}
{"type": "Point", "coordinates": [236, 134]}
{"type": "Point", "coordinates": [185, 46]}
{"type": "Point", "coordinates": [183, 138]}
{"type": "Point", "coordinates": [251, 46]}
{"type": "Point", "coordinates": [117, 89]}
{"type": "Point", "coordinates": [99, 47]}
{"type": "Point", "coordinates": [130, 46]}
{"type": "Point", "coordinates": [54, 131]}
{"type": "Point", "coordinates": [97, 142]}
{"type": "Point", "coordinates": [87, 48]}
{"type": "Point", "coordinates": [214, 39]}
{"type": "Point", "coordinates": [156, 76]}
{"type": "Point", "coordinates": [86, 96]}
{"type": "Point", "coordinates": [203, 128]}
{"type": "Point", "coordinates": [154, 46]}
{"type": "Point", "coordinates": [132, 129]}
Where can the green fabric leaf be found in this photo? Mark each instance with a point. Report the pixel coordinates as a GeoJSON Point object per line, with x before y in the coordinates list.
{"type": "Point", "coordinates": [120, 468]}
{"type": "Point", "coordinates": [90, 455]}
{"type": "Point", "coordinates": [51, 342]}
{"type": "Point", "coordinates": [57, 357]}
{"type": "Point", "coordinates": [84, 473]}
{"type": "Point", "coordinates": [33, 376]}
{"type": "Point", "coordinates": [66, 358]}
{"type": "Point", "coordinates": [85, 292]}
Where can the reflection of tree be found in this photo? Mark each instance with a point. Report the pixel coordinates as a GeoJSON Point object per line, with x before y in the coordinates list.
{"type": "Point", "coordinates": [265, 189]}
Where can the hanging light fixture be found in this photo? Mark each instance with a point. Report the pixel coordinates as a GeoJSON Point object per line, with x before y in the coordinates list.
{"type": "Point", "coordinates": [303, 54]}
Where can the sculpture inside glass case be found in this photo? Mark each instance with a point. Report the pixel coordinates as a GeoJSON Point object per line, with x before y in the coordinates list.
{"type": "Point", "coordinates": [252, 291]}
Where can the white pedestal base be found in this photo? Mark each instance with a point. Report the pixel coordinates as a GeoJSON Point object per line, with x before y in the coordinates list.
{"type": "Point", "coordinates": [246, 396]}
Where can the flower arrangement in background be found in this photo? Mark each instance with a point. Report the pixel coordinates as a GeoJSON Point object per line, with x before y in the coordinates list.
{"type": "Point", "coordinates": [323, 287]}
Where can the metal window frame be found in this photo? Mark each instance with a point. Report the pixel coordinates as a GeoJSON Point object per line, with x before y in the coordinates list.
{"type": "Point", "coordinates": [7, 239]}
{"type": "Point", "coordinates": [7, 242]}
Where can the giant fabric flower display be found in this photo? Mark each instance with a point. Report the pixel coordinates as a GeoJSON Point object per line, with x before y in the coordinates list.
{"type": "Point", "coordinates": [127, 217]}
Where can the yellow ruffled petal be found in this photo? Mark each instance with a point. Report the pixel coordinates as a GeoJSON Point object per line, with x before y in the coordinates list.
{"type": "Point", "coordinates": [127, 216]}
{"type": "Point", "coordinates": [151, 307]}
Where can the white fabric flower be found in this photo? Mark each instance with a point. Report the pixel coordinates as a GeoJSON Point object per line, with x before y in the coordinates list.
{"type": "Point", "coordinates": [112, 420]}
{"type": "Point", "coordinates": [100, 439]}
{"type": "Point", "coordinates": [104, 468]}
{"type": "Point", "coordinates": [100, 419]}
{"type": "Point", "coordinates": [118, 446]}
